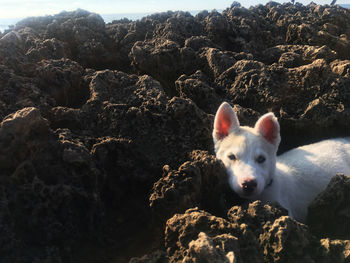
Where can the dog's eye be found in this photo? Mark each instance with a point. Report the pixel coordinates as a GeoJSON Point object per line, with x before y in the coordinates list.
{"type": "Point", "coordinates": [232, 157]}
{"type": "Point", "coordinates": [260, 159]}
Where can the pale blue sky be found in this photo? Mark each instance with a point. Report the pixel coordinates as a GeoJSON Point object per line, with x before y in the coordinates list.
{"type": "Point", "coordinates": [24, 8]}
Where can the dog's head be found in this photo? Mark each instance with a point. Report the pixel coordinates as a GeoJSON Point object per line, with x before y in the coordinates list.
{"type": "Point", "coordinates": [249, 154]}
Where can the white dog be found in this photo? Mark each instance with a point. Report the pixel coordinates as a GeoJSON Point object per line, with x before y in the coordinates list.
{"type": "Point", "coordinates": [293, 179]}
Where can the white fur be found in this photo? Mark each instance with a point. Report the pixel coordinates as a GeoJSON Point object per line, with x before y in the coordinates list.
{"type": "Point", "coordinates": [298, 175]}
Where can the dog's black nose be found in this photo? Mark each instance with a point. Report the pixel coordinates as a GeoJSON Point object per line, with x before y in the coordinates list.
{"type": "Point", "coordinates": [249, 186]}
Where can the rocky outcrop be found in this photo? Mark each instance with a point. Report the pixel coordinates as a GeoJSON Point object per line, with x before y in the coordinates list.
{"type": "Point", "coordinates": [197, 183]}
{"type": "Point", "coordinates": [48, 185]}
{"type": "Point", "coordinates": [335, 200]}
{"type": "Point", "coordinates": [106, 143]}
{"type": "Point", "coordinates": [259, 233]}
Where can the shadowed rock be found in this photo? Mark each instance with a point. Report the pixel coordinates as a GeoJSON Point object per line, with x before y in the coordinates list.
{"type": "Point", "coordinates": [335, 200]}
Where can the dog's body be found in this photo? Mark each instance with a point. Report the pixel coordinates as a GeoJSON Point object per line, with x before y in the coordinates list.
{"type": "Point", "coordinates": [292, 179]}
{"type": "Point", "coordinates": [304, 172]}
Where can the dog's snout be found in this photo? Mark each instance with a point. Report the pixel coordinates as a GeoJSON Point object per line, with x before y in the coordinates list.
{"type": "Point", "coordinates": [249, 186]}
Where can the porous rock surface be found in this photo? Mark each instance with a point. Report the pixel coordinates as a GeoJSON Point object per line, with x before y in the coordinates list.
{"type": "Point", "coordinates": [105, 133]}
{"type": "Point", "coordinates": [335, 201]}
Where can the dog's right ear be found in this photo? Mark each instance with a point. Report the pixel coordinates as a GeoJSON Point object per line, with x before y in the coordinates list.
{"type": "Point", "coordinates": [225, 121]}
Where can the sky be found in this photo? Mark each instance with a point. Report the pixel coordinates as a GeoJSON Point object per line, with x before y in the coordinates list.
{"type": "Point", "coordinates": [24, 8]}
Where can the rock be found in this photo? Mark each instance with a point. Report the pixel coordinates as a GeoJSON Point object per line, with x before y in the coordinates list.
{"type": "Point", "coordinates": [287, 240]}
{"type": "Point", "coordinates": [258, 233]}
{"type": "Point", "coordinates": [202, 250]}
{"type": "Point", "coordinates": [217, 61]}
{"type": "Point", "coordinates": [12, 50]}
{"type": "Point", "coordinates": [47, 187]}
{"type": "Point", "coordinates": [135, 107]}
{"type": "Point", "coordinates": [198, 88]}
{"type": "Point", "coordinates": [290, 60]}
{"type": "Point", "coordinates": [298, 55]}
{"type": "Point", "coordinates": [156, 257]}
{"type": "Point", "coordinates": [315, 108]}
{"type": "Point", "coordinates": [234, 235]}
{"type": "Point", "coordinates": [256, 215]}
{"type": "Point", "coordinates": [341, 67]}
{"type": "Point", "coordinates": [12, 39]}
{"type": "Point", "coordinates": [78, 35]}
{"type": "Point", "coordinates": [298, 34]}
{"type": "Point", "coordinates": [96, 156]}
{"type": "Point", "coordinates": [63, 81]}
{"type": "Point", "coordinates": [199, 42]}
{"type": "Point", "coordinates": [196, 183]}
{"type": "Point", "coordinates": [240, 79]}
{"type": "Point", "coordinates": [64, 117]}
{"type": "Point", "coordinates": [253, 222]}
{"type": "Point", "coordinates": [164, 60]}
{"type": "Point", "coordinates": [114, 86]}
{"type": "Point", "coordinates": [219, 30]}
{"type": "Point", "coordinates": [183, 238]}
{"type": "Point", "coordinates": [336, 250]}
{"type": "Point", "coordinates": [120, 162]}
{"type": "Point", "coordinates": [178, 27]}
{"type": "Point", "coordinates": [48, 49]}
{"type": "Point", "coordinates": [21, 95]}
{"type": "Point", "coordinates": [328, 214]}
{"type": "Point", "coordinates": [17, 138]}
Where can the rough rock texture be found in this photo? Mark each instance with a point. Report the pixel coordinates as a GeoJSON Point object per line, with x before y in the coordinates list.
{"type": "Point", "coordinates": [199, 182]}
{"type": "Point", "coordinates": [203, 250]}
{"type": "Point", "coordinates": [105, 133]}
{"type": "Point", "coordinates": [273, 237]}
{"type": "Point", "coordinates": [268, 236]}
{"type": "Point", "coordinates": [48, 185]}
{"type": "Point", "coordinates": [182, 229]}
{"type": "Point", "coordinates": [336, 250]}
{"type": "Point", "coordinates": [158, 256]}
{"type": "Point", "coordinates": [335, 200]}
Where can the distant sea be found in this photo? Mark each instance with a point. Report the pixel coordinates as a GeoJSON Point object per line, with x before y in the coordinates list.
{"type": "Point", "coordinates": [5, 23]}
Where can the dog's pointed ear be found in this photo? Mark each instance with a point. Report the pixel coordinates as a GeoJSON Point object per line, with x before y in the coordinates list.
{"type": "Point", "coordinates": [269, 128]}
{"type": "Point", "coordinates": [225, 121]}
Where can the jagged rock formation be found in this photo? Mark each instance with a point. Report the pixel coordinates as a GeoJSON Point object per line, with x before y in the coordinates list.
{"type": "Point", "coordinates": [106, 133]}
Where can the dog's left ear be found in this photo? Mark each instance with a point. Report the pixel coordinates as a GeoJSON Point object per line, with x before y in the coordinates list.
{"type": "Point", "coordinates": [269, 128]}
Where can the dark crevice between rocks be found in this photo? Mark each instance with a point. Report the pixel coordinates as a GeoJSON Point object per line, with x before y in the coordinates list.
{"type": "Point", "coordinates": [296, 133]}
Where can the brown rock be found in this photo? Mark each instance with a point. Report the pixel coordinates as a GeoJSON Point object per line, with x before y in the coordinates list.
{"type": "Point", "coordinates": [200, 182]}
{"type": "Point", "coordinates": [341, 67]}
{"type": "Point", "coordinates": [217, 61]}
{"type": "Point", "coordinates": [336, 250]}
{"type": "Point", "coordinates": [328, 214]}
{"type": "Point", "coordinates": [164, 60]}
{"type": "Point", "coordinates": [198, 88]}
{"type": "Point", "coordinates": [17, 138]}
{"type": "Point", "coordinates": [287, 240]}
{"type": "Point", "coordinates": [256, 215]}
{"type": "Point", "coordinates": [63, 81]}
{"type": "Point", "coordinates": [47, 187]}
{"type": "Point", "coordinates": [156, 257]}
{"type": "Point", "coordinates": [199, 42]}
{"type": "Point", "coordinates": [181, 230]}
{"type": "Point", "coordinates": [202, 250]}
{"type": "Point", "coordinates": [87, 134]}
